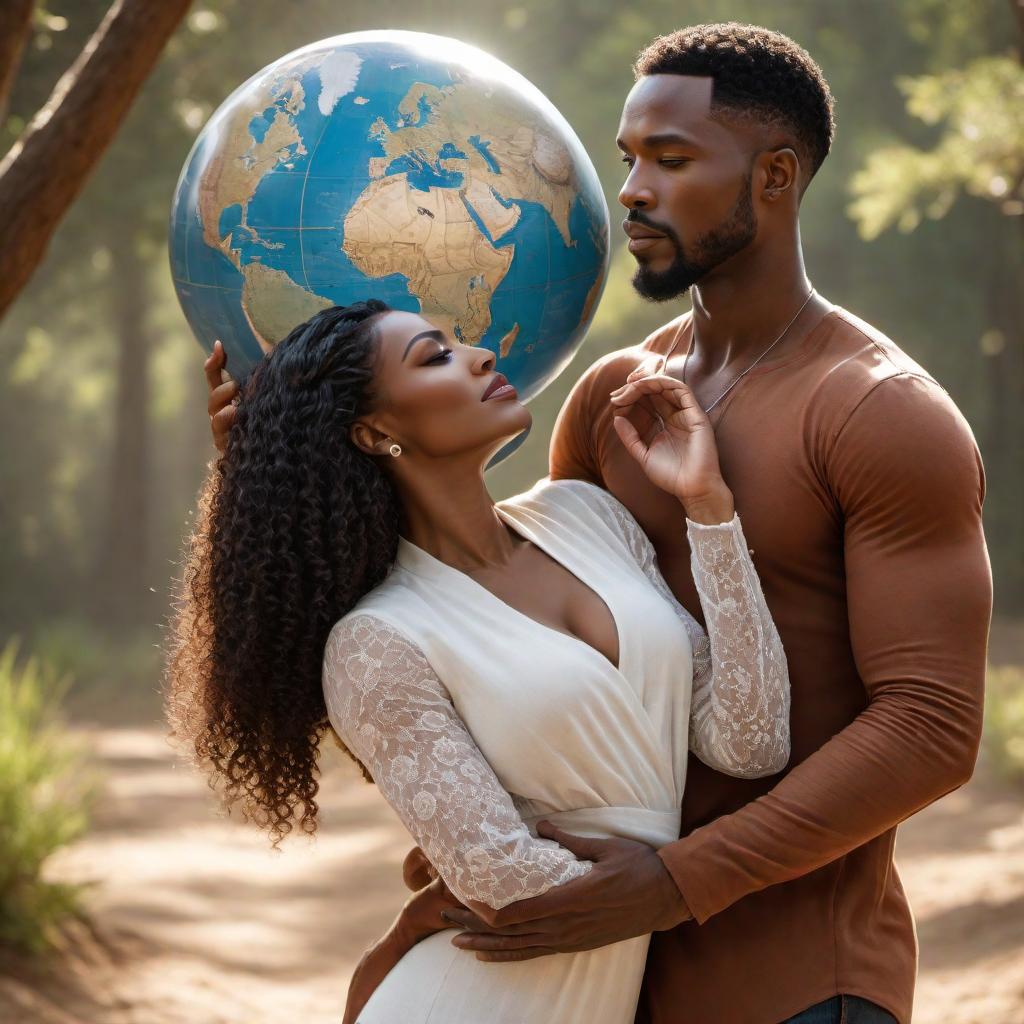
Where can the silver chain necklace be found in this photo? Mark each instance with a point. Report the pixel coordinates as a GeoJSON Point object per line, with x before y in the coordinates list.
{"type": "Point", "coordinates": [739, 376]}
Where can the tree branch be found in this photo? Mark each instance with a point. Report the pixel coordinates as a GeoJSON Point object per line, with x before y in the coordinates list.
{"type": "Point", "coordinates": [48, 166]}
{"type": "Point", "coordinates": [15, 28]}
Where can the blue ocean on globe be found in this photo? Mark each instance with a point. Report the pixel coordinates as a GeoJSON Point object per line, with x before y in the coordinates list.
{"type": "Point", "coordinates": [401, 166]}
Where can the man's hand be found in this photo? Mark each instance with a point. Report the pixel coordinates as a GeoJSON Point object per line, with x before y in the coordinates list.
{"type": "Point", "coordinates": [222, 394]}
{"type": "Point", "coordinates": [628, 892]}
{"type": "Point", "coordinates": [420, 917]}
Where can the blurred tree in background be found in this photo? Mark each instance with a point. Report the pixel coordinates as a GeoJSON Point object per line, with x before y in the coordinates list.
{"type": "Point", "coordinates": [911, 224]}
{"type": "Point", "coordinates": [975, 106]}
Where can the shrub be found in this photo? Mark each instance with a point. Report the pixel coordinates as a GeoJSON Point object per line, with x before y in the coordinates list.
{"type": "Point", "coordinates": [45, 795]}
{"type": "Point", "coordinates": [1004, 721]}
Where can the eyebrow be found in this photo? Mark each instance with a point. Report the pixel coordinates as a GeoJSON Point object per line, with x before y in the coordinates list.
{"type": "Point", "coordinates": [434, 335]}
{"type": "Point", "coordinates": [663, 139]}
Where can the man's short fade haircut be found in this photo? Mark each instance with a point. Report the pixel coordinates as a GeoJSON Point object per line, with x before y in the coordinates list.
{"type": "Point", "coordinates": [757, 73]}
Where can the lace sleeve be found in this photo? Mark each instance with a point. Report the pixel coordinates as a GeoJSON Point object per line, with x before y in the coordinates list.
{"type": "Point", "coordinates": [391, 710]}
{"type": "Point", "coordinates": [739, 713]}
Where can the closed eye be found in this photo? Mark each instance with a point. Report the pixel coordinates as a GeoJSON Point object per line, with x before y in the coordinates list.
{"type": "Point", "coordinates": [672, 161]}
{"type": "Point", "coordinates": [443, 356]}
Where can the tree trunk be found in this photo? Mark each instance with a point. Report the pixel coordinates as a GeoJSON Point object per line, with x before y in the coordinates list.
{"type": "Point", "coordinates": [15, 28]}
{"type": "Point", "coordinates": [1017, 8]}
{"type": "Point", "coordinates": [48, 166]}
{"type": "Point", "coordinates": [121, 562]}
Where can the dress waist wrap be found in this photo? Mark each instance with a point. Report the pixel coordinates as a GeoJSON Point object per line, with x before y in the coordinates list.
{"type": "Point", "coordinates": [656, 828]}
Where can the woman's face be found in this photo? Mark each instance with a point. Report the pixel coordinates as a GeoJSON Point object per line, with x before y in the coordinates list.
{"type": "Point", "coordinates": [437, 397]}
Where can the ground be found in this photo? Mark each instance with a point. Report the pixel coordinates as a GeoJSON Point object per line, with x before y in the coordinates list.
{"type": "Point", "coordinates": [195, 921]}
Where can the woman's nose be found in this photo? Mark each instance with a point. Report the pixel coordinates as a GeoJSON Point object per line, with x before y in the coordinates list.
{"type": "Point", "coordinates": [483, 360]}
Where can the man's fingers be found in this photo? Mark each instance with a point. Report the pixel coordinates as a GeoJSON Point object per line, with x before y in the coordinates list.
{"type": "Point", "coordinates": [459, 918]}
{"type": "Point", "coordinates": [516, 954]}
{"type": "Point", "coordinates": [466, 919]}
{"type": "Point", "coordinates": [221, 396]}
{"type": "Point", "coordinates": [482, 943]}
{"type": "Point", "coordinates": [582, 846]}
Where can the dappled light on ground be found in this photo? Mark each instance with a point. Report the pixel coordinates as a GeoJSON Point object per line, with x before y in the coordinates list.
{"type": "Point", "coordinates": [197, 921]}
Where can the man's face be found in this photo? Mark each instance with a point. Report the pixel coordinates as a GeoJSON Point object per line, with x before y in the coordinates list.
{"type": "Point", "coordinates": [688, 190]}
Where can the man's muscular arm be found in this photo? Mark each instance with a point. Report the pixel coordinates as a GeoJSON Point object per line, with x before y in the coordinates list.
{"type": "Point", "coordinates": [907, 476]}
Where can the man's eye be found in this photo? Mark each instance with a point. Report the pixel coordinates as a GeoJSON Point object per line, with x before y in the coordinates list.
{"type": "Point", "coordinates": [443, 356]}
{"type": "Point", "coordinates": [673, 161]}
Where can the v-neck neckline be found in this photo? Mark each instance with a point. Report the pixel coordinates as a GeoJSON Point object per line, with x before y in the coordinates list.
{"type": "Point", "coordinates": [421, 563]}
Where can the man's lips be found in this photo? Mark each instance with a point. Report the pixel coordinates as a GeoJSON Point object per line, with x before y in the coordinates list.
{"type": "Point", "coordinates": [498, 388]}
{"type": "Point", "coordinates": [637, 230]}
{"type": "Point", "coordinates": [641, 237]}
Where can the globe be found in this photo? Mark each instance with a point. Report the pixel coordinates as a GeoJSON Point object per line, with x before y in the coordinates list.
{"type": "Point", "coordinates": [401, 166]}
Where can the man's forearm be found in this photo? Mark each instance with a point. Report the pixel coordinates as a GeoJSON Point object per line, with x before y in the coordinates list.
{"type": "Point", "coordinates": [892, 760]}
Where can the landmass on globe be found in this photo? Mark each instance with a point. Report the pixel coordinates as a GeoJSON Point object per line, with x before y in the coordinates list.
{"type": "Point", "coordinates": [313, 176]}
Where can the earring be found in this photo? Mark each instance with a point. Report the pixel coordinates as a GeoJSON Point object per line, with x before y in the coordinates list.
{"type": "Point", "coordinates": [396, 450]}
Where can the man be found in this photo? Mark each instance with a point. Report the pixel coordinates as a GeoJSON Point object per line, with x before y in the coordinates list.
{"type": "Point", "coordinates": [860, 487]}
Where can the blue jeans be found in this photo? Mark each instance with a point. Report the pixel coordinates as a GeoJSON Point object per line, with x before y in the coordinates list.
{"type": "Point", "coordinates": [843, 1010]}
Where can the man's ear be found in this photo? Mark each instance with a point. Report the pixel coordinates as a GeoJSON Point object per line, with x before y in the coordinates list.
{"type": "Point", "coordinates": [368, 438]}
{"type": "Point", "coordinates": [782, 174]}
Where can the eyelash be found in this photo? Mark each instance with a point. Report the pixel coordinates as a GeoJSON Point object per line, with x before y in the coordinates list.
{"type": "Point", "coordinates": [628, 161]}
{"type": "Point", "coordinates": [440, 355]}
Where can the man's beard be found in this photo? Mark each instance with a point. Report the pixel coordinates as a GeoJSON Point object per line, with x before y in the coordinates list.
{"type": "Point", "coordinates": [709, 250]}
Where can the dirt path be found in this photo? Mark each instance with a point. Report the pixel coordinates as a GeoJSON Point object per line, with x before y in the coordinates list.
{"type": "Point", "coordinates": [197, 922]}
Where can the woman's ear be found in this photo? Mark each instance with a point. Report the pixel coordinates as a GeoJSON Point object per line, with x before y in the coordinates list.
{"type": "Point", "coordinates": [369, 439]}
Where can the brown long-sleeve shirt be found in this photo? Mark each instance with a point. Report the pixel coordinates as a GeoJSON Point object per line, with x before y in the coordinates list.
{"type": "Point", "coordinates": [860, 486]}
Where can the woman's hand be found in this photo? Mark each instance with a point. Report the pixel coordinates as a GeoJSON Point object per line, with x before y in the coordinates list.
{"type": "Point", "coordinates": [661, 425]}
{"type": "Point", "coordinates": [417, 871]}
{"type": "Point", "coordinates": [222, 394]}
{"type": "Point", "coordinates": [420, 917]}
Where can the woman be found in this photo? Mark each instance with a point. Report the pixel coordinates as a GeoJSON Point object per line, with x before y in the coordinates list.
{"type": "Point", "coordinates": [487, 664]}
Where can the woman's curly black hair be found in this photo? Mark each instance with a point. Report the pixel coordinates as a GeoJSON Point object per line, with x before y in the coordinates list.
{"type": "Point", "coordinates": [294, 525]}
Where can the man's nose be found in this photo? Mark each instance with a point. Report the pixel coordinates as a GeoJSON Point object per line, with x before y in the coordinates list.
{"type": "Point", "coordinates": [635, 193]}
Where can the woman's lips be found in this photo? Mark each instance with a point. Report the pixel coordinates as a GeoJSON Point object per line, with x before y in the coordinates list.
{"type": "Point", "coordinates": [498, 388]}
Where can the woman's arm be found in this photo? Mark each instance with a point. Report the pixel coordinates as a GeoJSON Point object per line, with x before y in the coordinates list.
{"type": "Point", "coordinates": [739, 712]}
{"type": "Point", "coordinates": [392, 711]}
{"type": "Point", "coordinates": [740, 716]}
{"type": "Point", "coordinates": [420, 917]}
{"type": "Point", "coordinates": [394, 714]}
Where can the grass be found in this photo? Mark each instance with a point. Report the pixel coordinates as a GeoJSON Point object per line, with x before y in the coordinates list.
{"type": "Point", "coordinates": [46, 790]}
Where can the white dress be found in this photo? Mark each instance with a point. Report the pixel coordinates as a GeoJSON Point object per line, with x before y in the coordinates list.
{"type": "Point", "coordinates": [476, 720]}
